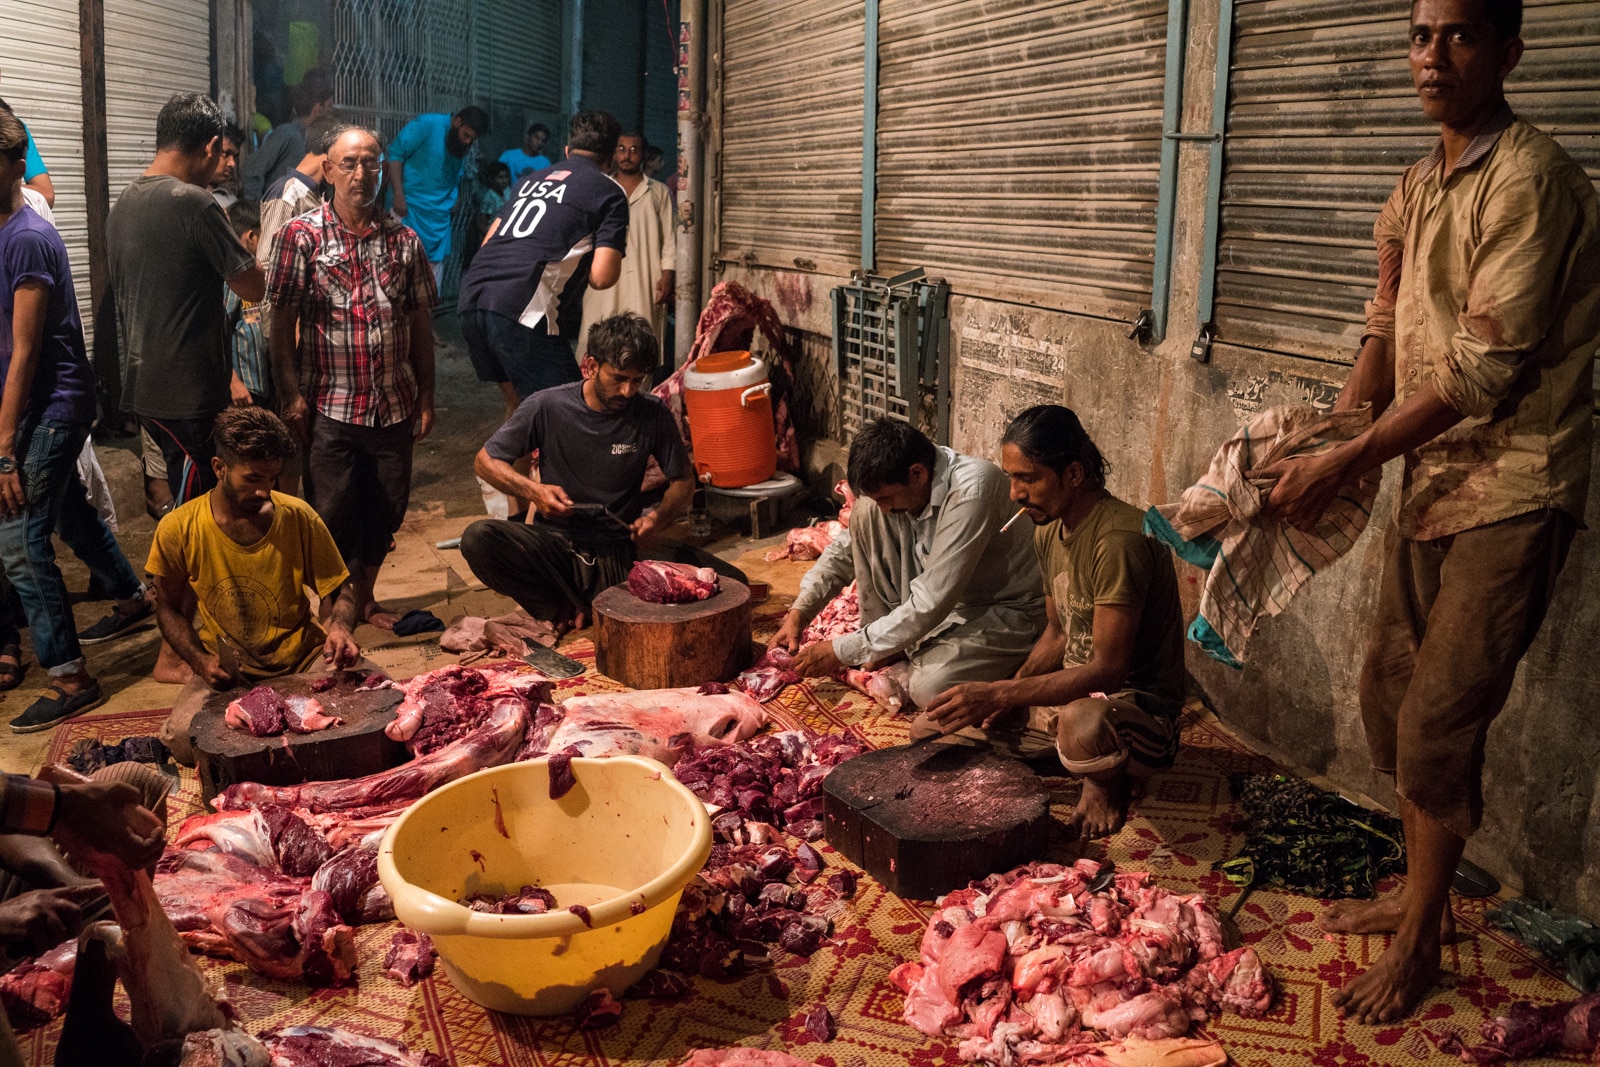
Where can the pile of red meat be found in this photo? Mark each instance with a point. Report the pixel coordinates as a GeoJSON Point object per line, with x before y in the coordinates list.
{"type": "Point", "coordinates": [671, 583]}
{"type": "Point", "coordinates": [747, 898]}
{"type": "Point", "coordinates": [754, 891]}
{"type": "Point", "coordinates": [1032, 967]}
{"type": "Point", "coordinates": [768, 783]}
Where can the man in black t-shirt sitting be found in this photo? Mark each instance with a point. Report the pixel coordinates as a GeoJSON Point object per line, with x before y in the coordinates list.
{"type": "Point", "coordinates": [587, 522]}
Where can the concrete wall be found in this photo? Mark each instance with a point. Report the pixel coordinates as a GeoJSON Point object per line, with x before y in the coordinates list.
{"type": "Point", "coordinates": [1159, 415]}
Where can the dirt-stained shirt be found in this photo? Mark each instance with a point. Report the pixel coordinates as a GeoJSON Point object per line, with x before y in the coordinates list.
{"type": "Point", "coordinates": [1489, 287]}
{"type": "Point", "coordinates": [1108, 560]}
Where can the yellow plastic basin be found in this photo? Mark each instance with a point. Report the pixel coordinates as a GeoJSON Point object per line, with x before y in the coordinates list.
{"type": "Point", "coordinates": [627, 838]}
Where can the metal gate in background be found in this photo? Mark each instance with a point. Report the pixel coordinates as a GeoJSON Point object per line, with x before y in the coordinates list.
{"type": "Point", "coordinates": [891, 343]}
{"type": "Point", "coordinates": [396, 59]}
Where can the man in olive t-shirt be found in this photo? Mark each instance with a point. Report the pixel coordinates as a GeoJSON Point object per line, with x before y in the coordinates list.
{"type": "Point", "coordinates": [169, 251]}
{"type": "Point", "coordinates": [1104, 686]}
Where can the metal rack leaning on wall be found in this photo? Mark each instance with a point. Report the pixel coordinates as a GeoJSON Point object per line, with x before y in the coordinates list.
{"type": "Point", "coordinates": [891, 344]}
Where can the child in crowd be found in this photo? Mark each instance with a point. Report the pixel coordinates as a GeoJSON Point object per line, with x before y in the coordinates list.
{"type": "Point", "coordinates": [252, 376]}
{"type": "Point", "coordinates": [496, 179]}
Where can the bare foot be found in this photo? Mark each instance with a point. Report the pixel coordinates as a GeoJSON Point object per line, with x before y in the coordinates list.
{"type": "Point", "coordinates": [170, 666]}
{"type": "Point", "coordinates": [376, 614]}
{"type": "Point", "coordinates": [1380, 916]}
{"type": "Point", "coordinates": [1101, 809]}
{"type": "Point", "coordinates": [1393, 986]}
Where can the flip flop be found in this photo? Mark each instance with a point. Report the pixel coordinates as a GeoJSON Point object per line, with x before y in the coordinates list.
{"type": "Point", "coordinates": [11, 673]}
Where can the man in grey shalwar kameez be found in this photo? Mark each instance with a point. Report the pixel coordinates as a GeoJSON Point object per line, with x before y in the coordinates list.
{"type": "Point", "coordinates": [939, 583]}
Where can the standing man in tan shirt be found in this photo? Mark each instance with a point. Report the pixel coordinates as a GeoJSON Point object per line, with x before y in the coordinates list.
{"type": "Point", "coordinates": [649, 265]}
{"type": "Point", "coordinates": [1479, 353]}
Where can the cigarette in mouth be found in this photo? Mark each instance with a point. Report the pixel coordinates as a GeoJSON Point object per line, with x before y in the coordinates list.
{"type": "Point", "coordinates": [1013, 520]}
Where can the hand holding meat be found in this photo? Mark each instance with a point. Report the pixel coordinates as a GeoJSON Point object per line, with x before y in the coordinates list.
{"type": "Point", "coordinates": [788, 635]}
{"type": "Point", "coordinates": [964, 705]}
{"type": "Point", "coordinates": [33, 923]}
{"type": "Point", "coordinates": [817, 660]}
{"type": "Point", "coordinates": [107, 818]}
{"type": "Point", "coordinates": [340, 650]}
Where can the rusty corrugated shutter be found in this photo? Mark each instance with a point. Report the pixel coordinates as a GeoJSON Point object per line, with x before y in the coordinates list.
{"type": "Point", "coordinates": [40, 57]}
{"type": "Point", "coordinates": [790, 191]}
{"type": "Point", "coordinates": [1322, 120]}
{"type": "Point", "coordinates": [1019, 146]}
{"type": "Point", "coordinates": [154, 48]}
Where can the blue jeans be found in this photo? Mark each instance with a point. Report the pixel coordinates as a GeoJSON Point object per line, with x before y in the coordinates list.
{"type": "Point", "coordinates": [504, 350]}
{"type": "Point", "coordinates": [57, 503]}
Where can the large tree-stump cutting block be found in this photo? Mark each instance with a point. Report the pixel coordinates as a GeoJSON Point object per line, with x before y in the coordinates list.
{"type": "Point", "coordinates": [666, 646]}
{"type": "Point", "coordinates": [225, 756]}
{"type": "Point", "coordinates": [924, 820]}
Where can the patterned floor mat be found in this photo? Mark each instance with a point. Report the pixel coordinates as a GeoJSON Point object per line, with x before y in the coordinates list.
{"type": "Point", "coordinates": [1177, 833]}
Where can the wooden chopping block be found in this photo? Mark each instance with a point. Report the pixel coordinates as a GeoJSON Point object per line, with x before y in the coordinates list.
{"type": "Point", "coordinates": [667, 646]}
{"type": "Point", "coordinates": [225, 756]}
{"type": "Point", "coordinates": [924, 820]}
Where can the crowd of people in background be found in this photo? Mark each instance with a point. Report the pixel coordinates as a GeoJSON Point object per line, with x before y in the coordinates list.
{"type": "Point", "coordinates": [297, 279]}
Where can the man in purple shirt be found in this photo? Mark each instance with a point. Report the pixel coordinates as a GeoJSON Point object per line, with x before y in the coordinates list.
{"type": "Point", "coordinates": [46, 408]}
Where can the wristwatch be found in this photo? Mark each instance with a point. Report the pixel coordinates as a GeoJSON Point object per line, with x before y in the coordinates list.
{"type": "Point", "coordinates": [8, 465]}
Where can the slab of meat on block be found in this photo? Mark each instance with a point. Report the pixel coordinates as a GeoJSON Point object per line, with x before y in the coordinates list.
{"type": "Point", "coordinates": [671, 583]}
{"type": "Point", "coordinates": [306, 715]}
{"type": "Point", "coordinates": [260, 712]}
{"type": "Point", "coordinates": [492, 743]}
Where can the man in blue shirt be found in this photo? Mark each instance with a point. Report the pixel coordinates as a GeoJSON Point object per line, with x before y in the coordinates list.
{"type": "Point", "coordinates": [424, 170]}
{"type": "Point", "coordinates": [531, 155]}
{"type": "Point", "coordinates": [46, 408]}
{"type": "Point", "coordinates": [564, 229]}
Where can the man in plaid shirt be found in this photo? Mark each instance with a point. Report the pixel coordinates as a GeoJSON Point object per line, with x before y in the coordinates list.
{"type": "Point", "coordinates": [352, 283]}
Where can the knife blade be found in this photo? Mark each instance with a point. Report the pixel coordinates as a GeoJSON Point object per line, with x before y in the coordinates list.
{"type": "Point", "coordinates": [549, 662]}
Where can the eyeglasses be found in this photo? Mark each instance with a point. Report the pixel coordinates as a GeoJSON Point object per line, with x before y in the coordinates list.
{"type": "Point", "coordinates": [349, 166]}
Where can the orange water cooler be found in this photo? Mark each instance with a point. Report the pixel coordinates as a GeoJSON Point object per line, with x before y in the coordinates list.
{"type": "Point", "coordinates": [728, 400]}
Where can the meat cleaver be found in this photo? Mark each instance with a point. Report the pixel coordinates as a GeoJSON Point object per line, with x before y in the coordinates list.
{"type": "Point", "coordinates": [549, 662]}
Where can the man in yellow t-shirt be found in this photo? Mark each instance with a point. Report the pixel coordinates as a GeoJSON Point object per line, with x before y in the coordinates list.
{"type": "Point", "coordinates": [245, 557]}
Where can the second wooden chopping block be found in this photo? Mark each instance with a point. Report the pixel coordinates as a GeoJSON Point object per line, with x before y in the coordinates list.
{"type": "Point", "coordinates": [668, 646]}
{"type": "Point", "coordinates": [225, 756]}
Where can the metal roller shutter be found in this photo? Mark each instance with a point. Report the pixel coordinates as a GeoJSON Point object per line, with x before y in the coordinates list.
{"type": "Point", "coordinates": [519, 58]}
{"type": "Point", "coordinates": [40, 57]}
{"type": "Point", "coordinates": [612, 49]}
{"type": "Point", "coordinates": [1323, 119]}
{"type": "Point", "coordinates": [790, 178]}
{"type": "Point", "coordinates": [154, 48]}
{"type": "Point", "coordinates": [1019, 147]}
